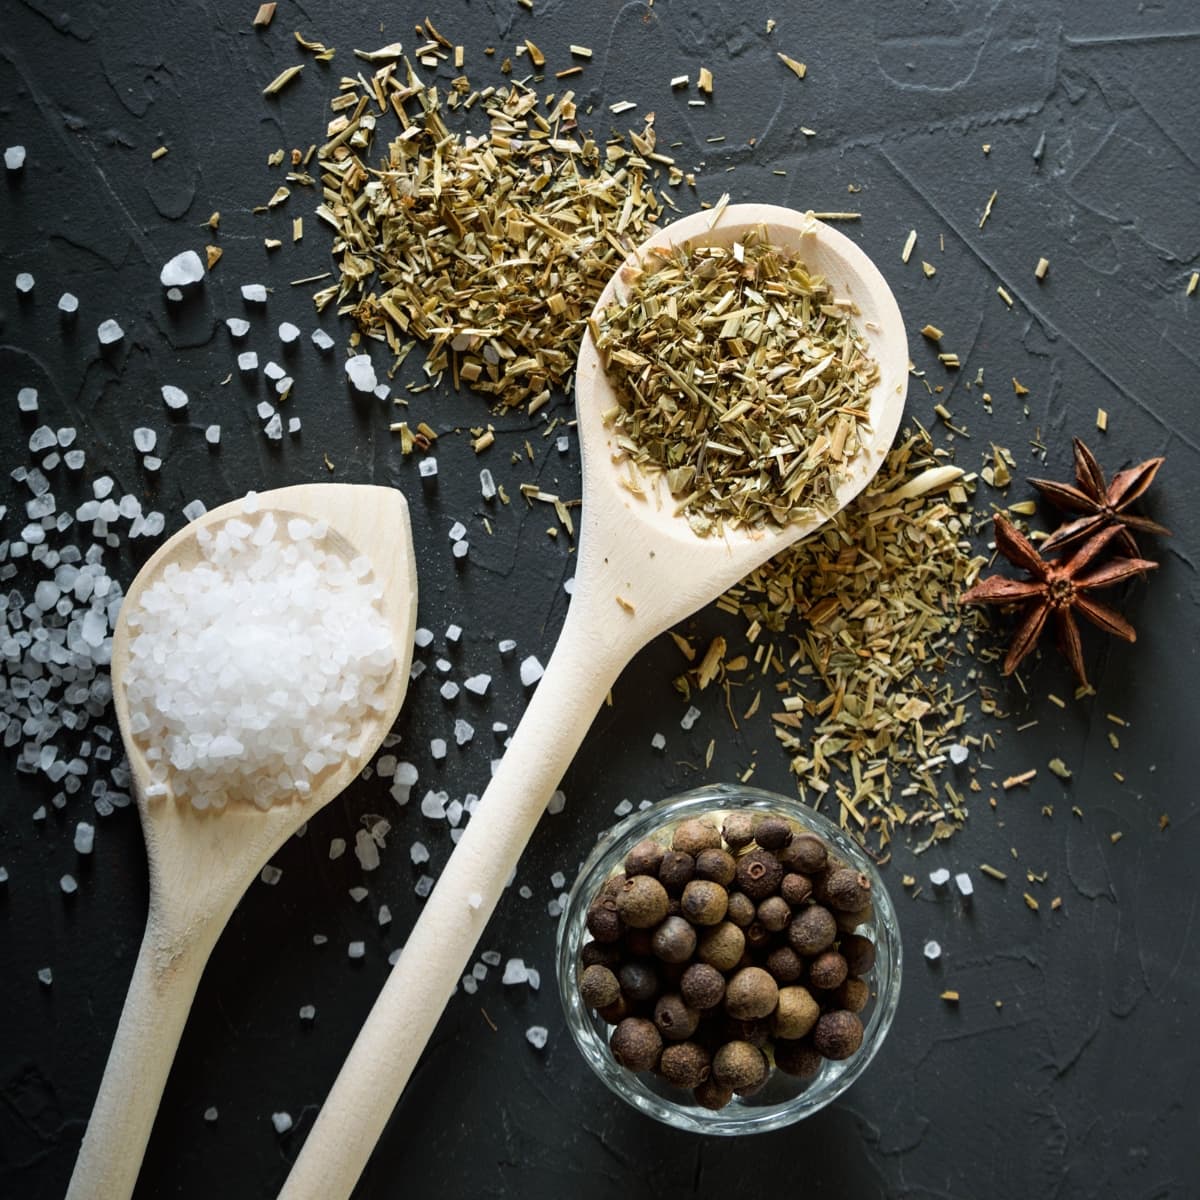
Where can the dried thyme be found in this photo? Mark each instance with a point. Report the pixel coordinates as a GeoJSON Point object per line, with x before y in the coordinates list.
{"type": "Point", "coordinates": [741, 377]}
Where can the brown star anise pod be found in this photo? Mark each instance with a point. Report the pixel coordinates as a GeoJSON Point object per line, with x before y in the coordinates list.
{"type": "Point", "coordinates": [1057, 588]}
{"type": "Point", "coordinates": [1100, 502]}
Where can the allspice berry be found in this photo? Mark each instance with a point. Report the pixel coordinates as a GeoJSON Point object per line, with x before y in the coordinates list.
{"type": "Point", "coordinates": [756, 1032]}
{"type": "Point", "coordinates": [642, 902]}
{"type": "Point", "coordinates": [847, 890]}
{"type": "Point", "coordinates": [599, 987]}
{"type": "Point", "coordinates": [704, 902]}
{"type": "Point", "coordinates": [759, 874]}
{"type": "Point", "coordinates": [674, 1020]}
{"type": "Point", "coordinates": [773, 833]}
{"type": "Point", "coordinates": [751, 993]}
{"type": "Point", "coordinates": [739, 829]}
{"type": "Point", "coordinates": [812, 930]}
{"type": "Point", "coordinates": [774, 913]}
{"type": "Point", "coordinates": [848, 922]}
{"type": "Point", "coordinates": [721, 946]}
{"type": "Point", "coordinates": [612, 885]}
{"type": "Point", "coordinates": [676, 870]}
{"type": "Point", "coordinates": [638, 943]}
{"type": "Point", "coordinates": [807, 853]}
{"type": "Point", "coordinates": [758, 936]}
{"type": "Point", "coordinates": [795, 888]}
{"type": "Point", "coordinates": [636, 1044]}
{"type": "Point", "coordinates": [644, 858]}
{"type": "Point", "coordinates": [838, 1034]}
{"type": "Point", "coordinates": [717, 865]}
{"type": "Point", "coordinates": [702, 986]}
{"type": "Point", "coordinates": [859, 953]}
{"type": "Point", "coordinates": [852, 995]}
{"type": "Point", "coordinates": [711, 1094]}
{"type": "Point", "coordinates": [795, 1014]}
{"type": "Point", "coordinates": [685, 1064]}
{"type": "Point", "coordinates": [739, 1065]}
{"type": "Point", "coordinates": [785, 965]}
{"type": "Point", "coordinates": [614, 1013]}
{"type": "Point", "coordinates": [602, 920]}
{"type": "Point", "coordinates": [606, 954]}
{"type": "Point", "coordinates": [639, 982]}
{"type": "Point", "coordinates": [741, 910]}
{"type": "Point", "coordinates": [827, 970]}
{"type": "Point", "coordinates": [695, 835]}
{"type": "Point", "coordinates": [797, 1058]}
{"type": "Point", "coordinates": [674, 941]}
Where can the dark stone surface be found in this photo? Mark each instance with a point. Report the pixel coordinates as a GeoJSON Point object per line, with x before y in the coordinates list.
{"type": "Point", "coordinates": [1083, 1083]}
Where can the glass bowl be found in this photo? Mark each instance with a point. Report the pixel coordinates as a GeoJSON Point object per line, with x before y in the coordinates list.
{"type": "Point", "coordinates": [785, 1098]}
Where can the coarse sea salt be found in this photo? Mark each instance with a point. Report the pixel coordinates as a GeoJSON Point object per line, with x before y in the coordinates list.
{"type": "Point", "coordinates": [174, 397]}
{"type": "Point", "coordinates": [14, 157]}
{"type": "Point", "coordinates": [182, 270]}
{"type": "Point", "coordinates": [108, 332]}
{"type": "Point", "coordinates": [215, 650]}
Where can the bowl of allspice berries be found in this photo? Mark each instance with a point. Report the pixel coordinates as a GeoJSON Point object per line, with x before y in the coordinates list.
{"type": "Point", "coordinates": [728, 960]}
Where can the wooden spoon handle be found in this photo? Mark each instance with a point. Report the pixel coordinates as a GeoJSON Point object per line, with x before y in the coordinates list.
{"type": "Point", "coordinates": [156, 1008]}
{"type": "Point", "coordinates": [577, 678]}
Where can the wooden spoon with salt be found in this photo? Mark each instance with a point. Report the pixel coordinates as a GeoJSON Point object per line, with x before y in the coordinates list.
{"type": "Point", "coordinates": [202, 862]}
{"type": "Point", "coordinates": [630, 548]}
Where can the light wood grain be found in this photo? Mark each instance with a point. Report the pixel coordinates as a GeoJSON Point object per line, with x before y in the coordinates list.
{"type": "Point", "coordinates": [202, 862]}
{"type": "Point", "coordinates": [630, 548]}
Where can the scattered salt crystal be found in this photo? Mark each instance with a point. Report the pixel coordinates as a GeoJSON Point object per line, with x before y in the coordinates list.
{"type": "Point", "coordinates": [933, 951]}
{"type": "Point", "coordinates": [563, 444]}
{"type": "Point", "coordinates": [460, 549]}
{"type": "Point", "coordinates": [962, 881]}
{"type": "Point", "coordinates": [74, 459]}
{"type": "Point", "coordinates": [658, 742]}
{"type": "Point", "coordinates": [319, 939]}
{"type": "Point", "coordinates": [690, 717]}
{"type": "Point", "coordinates": [554, 908]}
{"type": "Point", "coordinates": [174, 397]}
{"type": "Point", "coordinates": [427, 468]}
{"type": "Point", "coordinates": [68, 885]}
{"type": "Point", "coordinates": [14, 157]}
{"type": "Point", "coordinates": [443, 664]}
{"type": "Point", "coordinates": [322, 340]}
{"type": "Point", "coordinates": [45, 976]}
{"type": "Point", "coordinates": [361, 372]}
{"type": "Point", "coordinates": [479, 971]}
{"type": "Point", "coordinates": [42, 438]}
{"type": "Point", "coordinates": [405, 774]}
{"type": "Point", "coordinates": [531, 671]}
{"type": "Point", "coordinates": [477, 685]}
{"type": "Point", "coordinates": [182, 270]}
{"type": "Point", "coordinates": [624, 808]}
{"type": "Point", "coordinates": [25, 282]}
{"type": "Point", "coordinates": [474, 900]}
{"type": "Point", "coordinates": [270, 875]}
{"type": "Point", "coordinates": [238, 326]}
{"type": "Point", "coordinates": [254, 293]}
{"type": "Point", "coordinates": [85, 836]}
{"type": "Point", "coordinates": [151, 463]}
{"type": "Point", "coordinates": [940, 877]}
{"type": "Point", "coordinates": [356, 949]}
{"type": "Point", "coordinates": [453, 633]}
{"type": "Point", "coordinates": [293, 425]}
{"type": "Point", "coordinates": [424, 886]}
{"type": "Point", "coordinates": [382, 391]}
{"type": "Point", "coordinates": [144, 440]}
{"type": "Point", "coordinates": [958, 754]}
{"type": "Point", "coordinates": [457, 532]}
{"type": "Point", "coordinates": [274, 428]}
{"type": "Point", "coordinates": [394, 956]}
{"type": "Point", "coordinates": [515, 972]}
{"type": "Point", "coordinates": [174, 295]}
{"type": "Point", "coordinates": [210, 1114]}
{"type": "Point", "coordinates": [506, 645]}
{"type": "Point", "coordinates": [337, 847]}
{"type": "Point", "coordinates": [492, 957]}
{"type": "Point", "coordinates": [569, 586]}
{"type": "Point", "coordinates": [556, 803]}
{"type": "Point", "coordinates": [27, 399]}
{"type": "Point", "coordinates": [558, 879]}
{"type": "Point", "coordinates": [433, 805]}
{"type": "Point", "coordinates": [419, 853]}
{"type": "Point", "coordinates": [308, 1012]}
{"type": "Point", "coordinates": [247, 361]}
{"type": "Point", "coordinates": [358, 894]}
{"type": "Point", "coordinates": [282, 1121]}
{"type": "Point", "coordinates": [463, 732]}
{"type": "Point", "coordinates": [537, 1036]}
{"type": "Point", "coordinates": [487, 485]}
{"type": "Point", "coordinates": [533, 977]}
{"type": "Point", "coordinates": [274, 371]}
{"type": "Point", "coordinates": [384, 916]}
{"type": "Point", "coordinates": [68, 304]}
{"type": "Point", "coordinates": [265, 410]}
{"type": "Point", "coordinates": [66, 436]}
{"type": "Point", "coordinates": [449, 690]}
{"type": "Point", "coordinates": [470, 984]}
{"type": "Point", "coordinates": [437, 748]}
{"type": "Point", "coordinates": [422, 637]}
{"type": "Point", "coordinates": [499, 727]}
{"type": "Point", "coordinates": [288, 333]}
{"type": "Point", "coordinates": [366, 851]}
{"type": "Point", "coordinates": [194, 509]}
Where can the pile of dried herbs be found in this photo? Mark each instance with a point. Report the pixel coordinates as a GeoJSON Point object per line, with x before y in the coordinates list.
{"type": "Point", "coordinates": [492, 249]}
{"type": "Point", "coordinates": [740, 376]}
{"type": "Point", "coordinates": [866, 625]}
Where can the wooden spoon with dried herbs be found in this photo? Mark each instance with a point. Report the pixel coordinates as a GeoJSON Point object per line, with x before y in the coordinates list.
{"type": "Point", "coordinates": [643, 566]}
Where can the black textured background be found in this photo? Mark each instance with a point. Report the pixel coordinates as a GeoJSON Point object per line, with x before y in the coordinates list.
{"type": "Point", "coordinates": [1084, 1082]}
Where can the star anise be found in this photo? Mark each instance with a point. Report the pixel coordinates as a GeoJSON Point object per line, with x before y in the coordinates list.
{"type": "Point", "coordinates": [1101, 503]}
{"type": "Point", "coordinates": [1057, 589]}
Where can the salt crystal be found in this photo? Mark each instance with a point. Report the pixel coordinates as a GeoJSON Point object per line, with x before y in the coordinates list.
{"type": "Point", "coordinates": [433, 805]}
{"type": "Point", "coordinates": [449, 690]}
{"type": "Point", "coordinates": [174, 295]}
{"type": "Point", "coordinates": [515, 972]}
{"type": "Point", "coordinates": [361, 372]}
{"type": "Point", "coordinates": [493, 958]}
{"type": "Point", "coordinates": [487, 485]}
{"type": "Point", "coordinates": [366, 851]}
{"type": "Point", "coordinates": [151, 463]}
{"type": "Point", "coordinates": [437, 748]}
{"type": "Point", "coordinates": [358, 894]}
{"type": "Point", "coordinates": [463, 732]}
{"type": "Point", "coordinates": [25, 282]}
{"type": "Point", "coordinates": [558, 879]}
{"type": "Point", "coordinates": [690, 717]}
{"type": "Point", "coordinates": [74, 459]}
{"type": "Point", "coordinates": [66, 436]}
{"type": "Point", "coordinates": [460, 549]}
{"type": "Point", "coordinates": [212, 435]}
{"type": "Point", "coordinates": [274, 428]}
{"type": "Point", "coordinates": [533, 977]}
{"type": "Point", "coordinates": [270, 875]}
{"type": "Point", "coordinates": [45, 976]}
{"type": "Point", "coordinates": [958, 754]}
{"type": "Point", "coordinates": [337, 847]}
{"type": "Point", "coordinates": [274, 371]}
{"type": "Point", "coordinates": [962, 881]}
{"type": "Point", "coordinates": [174, 397]}
{"type": "Point", "coordinates": [506, 645]}
{"type": "Point", "coordinates": [457, 532]}
{"type": "Point", "coordinates": [210, 1114]}
{"type": "Point", "coordinates": [443, 664]}
{"type": "Point", "coordinates": [419, 853]}
{"type": "Point", "coordinates": [238, 326]}
{"type": "Point", "coordinates": [68, 885]}
{"type": "Point", "coordinates": [288, 333]}
{"type": "Point", "coordinates": [531, 671]}
{"type": "Point", "coordinates": [282, 1121]}
{"type": "Point", "coordinates": [42, 438]}
{"type": "Point", "coordinates": [470, 984]}
{"type": "Point", "coordinates": [356, 949]}
{"type": "Point", "coordinates": [933, 951]}
{"type": "Point", "coordinates": [427, 468]}
{"type": "Point", "coordinates": [293, 425]}
{"type": "Point", "coordinates": [144, 440]}
{"type": "Point", "coordinates": [556, 803]}
{"type": "Point", "coordinates": [265, 410]}
{"type": "Point", "coordinates": [569, 586]}
{"type": "Point", "coordinates": [422, 637]}
{"type": "Point", "coordinates": [307, 1012]}
{"type": "Point", "coordinates": [479, 971]}
{"type": "Point", "coordinates": [394, 956]}
{"type": "Point", "coordinates": [85, 836]}
{"type": "Point", "coordinates": [182, 270]}
{"type": "Point", "coordinates": [254, 293]}
{"type": "Point", "coordinates": [499, 727]}
{"type": "Point", "coordinates": [382, 391]}
{"type": "Point", "coordinates": [68, 304]}
{"type": "Point", "coordinates": [658, 742]}
{"type": "Point", "coordinates": [553, 908]}
{"type": "Point", "coordinates": [102, 487]}
{"type": "Point", "coordinates": [537, 1036]}
{"type": "Point", "coordinates": [453, 633]}
{"type": "Point", "coordinates": [247, 361]}
{"type": "Point", "coordinates": [940, 877]}
{"type": "Point", "coordinates": [405, 774]}
{"type": "Point", "coordinates": [14, 157]}
{"type": "Point", "coordinates": [474, 901]}
{"type": "Point", "coordinates": [319, 939]}
{"type": "Point", "coordinates": [624, 808]}
{"type": "Point", "coordinates": [194, 510]}
{"type": "Point", "coordinates": [424, 886]}
{"type": "Point", "coordinates": [322, 340]}
{"type": "Point", "coordinates": [27, 399]}
{"type": "Point", "coordinates": [384, 916]}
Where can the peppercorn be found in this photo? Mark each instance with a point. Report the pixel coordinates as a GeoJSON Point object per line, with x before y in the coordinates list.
{"type": "Point", "coordinates": [685, 1064]}
{"type": "Point", "coordinates": [599, 987]}
{"type": "Point", "coordinates": [644, 858]}
{"type": "Point", "coordinates": [676, 870]}
{"type": "Point", "coordinates": [711, 1094]}
{"type": "Point", "coordinates": [751, 993]}
{"type": "Point", "coordinates": [704, 902]}
{"type": "Point", "coordinates": [692, 836]}
{"type": "Point", "coordinates": [852, 995]}
{"type": "Point", "coordinates": [721, 946]}
{"type": "Point", "coordinates": [614, 1013]}
{"type": "Point", "coordinates": [795, 888]}
{"type": "Point", "coordinates": [741, 910]}
{"type": "Point", "coordinates": [785, 965]}
{"type": "Point", "coordinates": [838, 1034]}
{"type": "Point", "coordinates": [807, 853]}
{"type": "Point", "coordinates": [848, 890]}
{"type": "Point", "coordinates": [774, 913]}
{"type": "Point", "coordinates": [717, 865]}
{"type": "Point", "coordinates": [702, 986]}
{"type": "Point", "coordinates": [639, 982]}
{"type": "Point", "coordinates": [602, 920]}
{"type": "Point", "coordinates": [759, 874]}
{"type": "Point", "coordinates": [848, 922]}
{"type": "Point", "coordinates": [675, 1021]}
{"type": "Point", "coordinates": [674, 940]}
{"type": "Point", "coordinates": [773, 833]}
{"type": "Point", "coordinates": [636, 1044]}
{"type": "Point", "coordinates": [758, 936]}
{"type": "Point", "coordinates": [795, 1014]}
{"type": "Point", "coordinates": [812, 930]}
{"type": "Point", "coordinates": [827, 970]}
{"type": "Point", "coordinates": [859, 953]}
{"type": "Point", "coordinates": [739, 829]}
{"type": "Point", "coordinates": [604, 954]}
{"type": "Point", "coordinates": [739, 1065]}
{"type": "Point", "coordinates": [642, 902]}
{"type": "Point", "coordinates": [797, 1058]}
